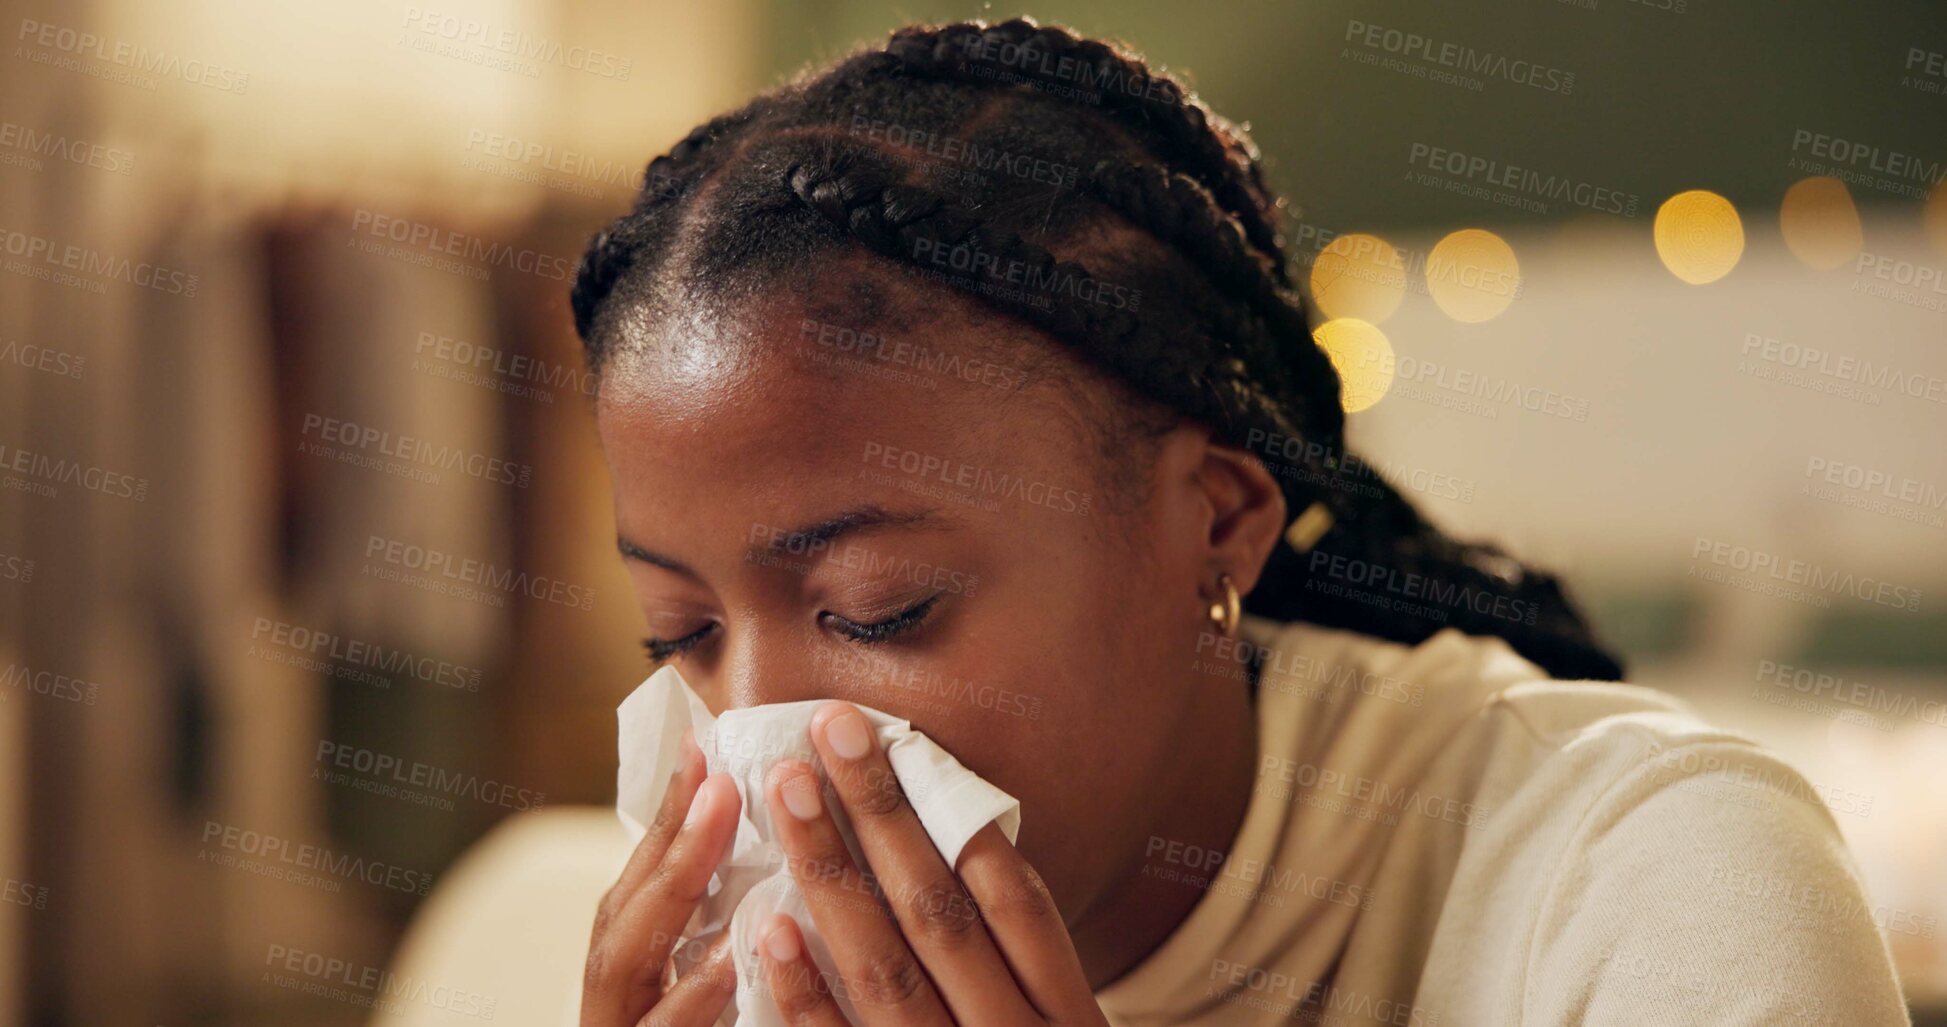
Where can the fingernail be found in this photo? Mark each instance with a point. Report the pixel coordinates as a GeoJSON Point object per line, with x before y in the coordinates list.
{"type": "Point", "coordinates": [689, 741]}
{"type": "Point", "coordinates": [704, 801]}
{"type": "Point", "coordinates": [781, 943]}
{"type": "Point", "coordinates": [801, 797]}
{"type": "Point", "coordinates": [848, 736]}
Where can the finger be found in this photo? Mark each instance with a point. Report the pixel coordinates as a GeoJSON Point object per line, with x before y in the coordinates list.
{"type": "Point", "coordinates": [701, 993]}
{"type": "Point", "coordinates": [623, 977]}
{"type": "Point", "coordinates": [1022, 918]}
{"type": "Point", "coordinates": [939, 918]}
{"type": "Point", "coordinates": [876, 967]}
{"type": "Point", "coordinates": [801, 994]}
{"type": "Point", "coordinates": [648, 852]}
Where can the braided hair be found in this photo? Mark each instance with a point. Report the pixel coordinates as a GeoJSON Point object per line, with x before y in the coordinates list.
{"type": "Point", "coordinates": [1117, 214]}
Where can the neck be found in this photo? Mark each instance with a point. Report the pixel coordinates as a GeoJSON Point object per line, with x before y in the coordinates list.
{"type": "Point", "coordinates": [1213, 783]}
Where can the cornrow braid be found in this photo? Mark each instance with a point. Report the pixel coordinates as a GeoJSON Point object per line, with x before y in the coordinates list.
{"type": "Point", "coordinates": [1155, 258]}
{"type": "Point", "coordinates": [1185, 134]}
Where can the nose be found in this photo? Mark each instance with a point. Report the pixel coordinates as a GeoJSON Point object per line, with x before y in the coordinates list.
{"type": "Point", "coordinates": [771, 665]}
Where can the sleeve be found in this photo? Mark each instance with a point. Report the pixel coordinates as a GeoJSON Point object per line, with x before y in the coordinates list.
{"type": "Point", "coordinates": [1711, 885]}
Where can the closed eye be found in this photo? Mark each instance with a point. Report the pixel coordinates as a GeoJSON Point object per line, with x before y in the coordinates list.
{"type": "Point", "coordinates": [661, 650]}
{"type": "Point", "coordinates": [875, 632]}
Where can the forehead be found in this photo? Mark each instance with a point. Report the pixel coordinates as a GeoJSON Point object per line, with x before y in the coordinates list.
{"type": "Point", "coordinates": [786, 407]}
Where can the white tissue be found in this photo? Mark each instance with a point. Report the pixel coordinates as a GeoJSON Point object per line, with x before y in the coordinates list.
{"type": "Point", "coordinates": [753, 881]}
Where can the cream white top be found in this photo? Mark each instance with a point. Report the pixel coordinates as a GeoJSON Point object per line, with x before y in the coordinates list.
{"type": "Point", "coordinates": [1440, 835]}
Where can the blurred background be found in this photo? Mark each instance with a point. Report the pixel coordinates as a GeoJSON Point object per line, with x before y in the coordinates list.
{"type": "Point", "coordinates": [307, 579]}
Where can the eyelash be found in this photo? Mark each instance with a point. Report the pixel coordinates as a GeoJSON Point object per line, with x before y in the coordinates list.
{"type": "Point", "coordinates": [879, 631]}
{"type": "Point", "coordinates": [663, 650]}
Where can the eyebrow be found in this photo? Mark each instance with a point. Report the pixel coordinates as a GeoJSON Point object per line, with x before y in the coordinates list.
{"type": "Point", "coordinates": [820, 532]}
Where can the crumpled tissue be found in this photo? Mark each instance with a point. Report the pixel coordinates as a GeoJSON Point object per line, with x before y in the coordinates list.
{"type": "Point", "coordinates": [754, 881]}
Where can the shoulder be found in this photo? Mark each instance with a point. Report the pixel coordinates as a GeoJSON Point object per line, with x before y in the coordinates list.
{"type": "Point", "coordinates": [1624, 861]}
{"type": "Point", "coordinates": [1677, 871]}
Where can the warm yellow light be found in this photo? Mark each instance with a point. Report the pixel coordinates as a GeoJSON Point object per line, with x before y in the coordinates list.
{"type": "Point", "coordinates": [1820, 224]}
{"type": "Point", "coordinates": [1472, 275]}
{"type": "Point", "coordinates": [1364, 359]}
{"type": "Point", "coordinates": [1360, 276]}
{"type": "Point", "coordinates": [1699, 236]}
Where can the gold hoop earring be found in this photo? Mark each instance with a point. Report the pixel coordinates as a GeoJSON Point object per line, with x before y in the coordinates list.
{"type": "Point", "coordinates": [1226, 612]}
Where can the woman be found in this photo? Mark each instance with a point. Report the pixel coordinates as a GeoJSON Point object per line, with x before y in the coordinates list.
{"type": "Point", "coordinates": [965, 379]}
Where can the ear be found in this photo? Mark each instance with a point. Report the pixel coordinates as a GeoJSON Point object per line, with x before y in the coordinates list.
{"type": "Point", "coordinates": [1243, 509]}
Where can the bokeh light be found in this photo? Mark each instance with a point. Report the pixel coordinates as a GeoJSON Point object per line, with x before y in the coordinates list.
{"type": "Point", "coordinates": [1364, 359]}
{"type": "Point", "coordinates": [1699, 236]}
{"type": "Point", "coordinates": [1820, 223]}
{"type": "Point", "coordinates": [1358, 275]}
{"type": "Point", "coordinates": [1472, 275]}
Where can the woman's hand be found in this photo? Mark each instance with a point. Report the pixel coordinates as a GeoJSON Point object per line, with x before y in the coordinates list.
{"type": "Point", "coordinates": [985, 946]}
{"type": "Point", "coordinates": [637, 925]}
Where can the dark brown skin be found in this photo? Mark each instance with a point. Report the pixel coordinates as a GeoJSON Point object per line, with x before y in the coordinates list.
{"type": "Point", "coordinates": [720, 434]}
